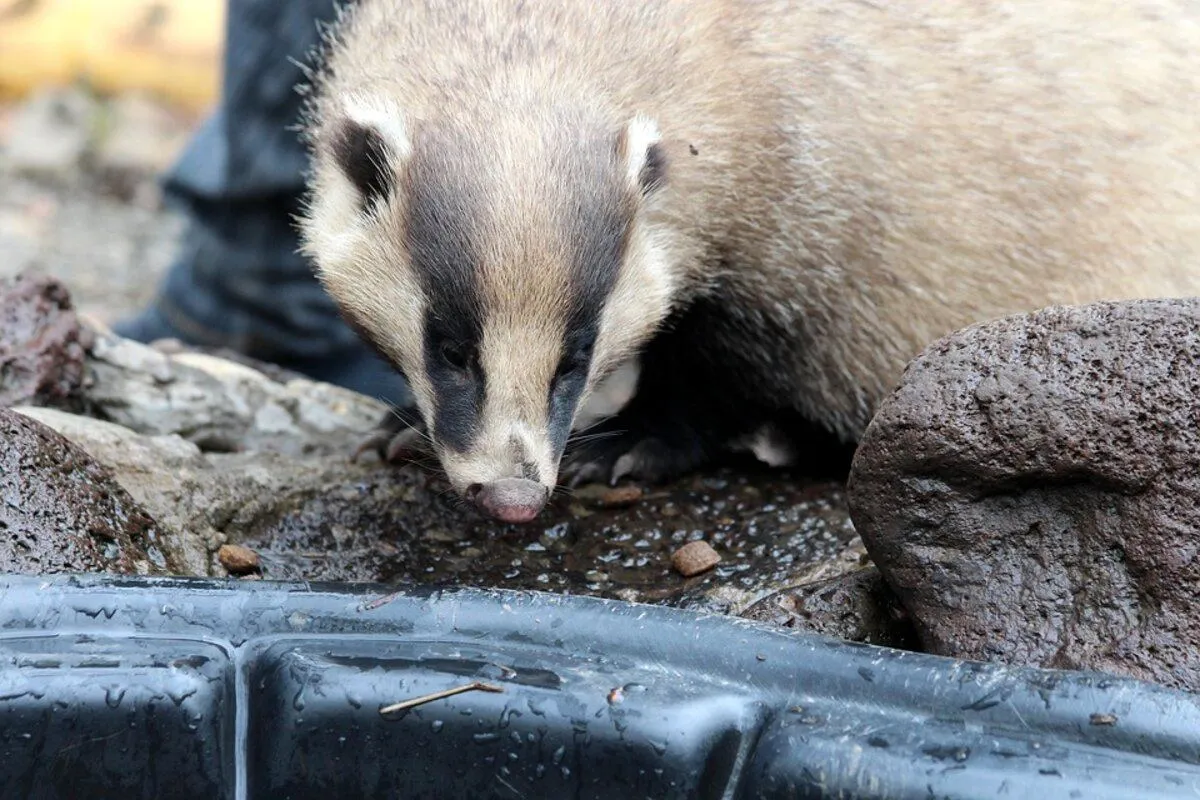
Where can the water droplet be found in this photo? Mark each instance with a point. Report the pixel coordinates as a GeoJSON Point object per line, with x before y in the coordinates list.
{"type": "Point", "coordinates": [113, 696]}
{"type": "Point", "coordinates": [437, 725]}
{"type": "Point", "coordinates": [659, 747]}
{"type": "Point", "coordinates": [539, 770]}
{"type": "Point", "coordinates": [486, 738]}
{"type": "Point", "coordinates": [557, 758]}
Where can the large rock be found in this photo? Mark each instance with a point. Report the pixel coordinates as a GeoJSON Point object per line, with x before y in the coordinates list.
{"type": "Point", "coordinates": [1032, 490]}
{"type": "Point", "coordinates": [221, 405]}
{"type": "Point", "coordinates": [61, 511]}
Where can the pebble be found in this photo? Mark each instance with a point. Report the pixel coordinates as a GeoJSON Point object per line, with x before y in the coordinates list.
{"type": "Point", "coordinates": [620, 497]}
{"type": "Point", "coordinates": [695, 558]}
{"type": "Point", "coordinates": [238, 560]}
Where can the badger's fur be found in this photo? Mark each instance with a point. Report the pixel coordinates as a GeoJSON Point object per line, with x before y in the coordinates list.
{"type": "Point", "coordinates": [769, 206]}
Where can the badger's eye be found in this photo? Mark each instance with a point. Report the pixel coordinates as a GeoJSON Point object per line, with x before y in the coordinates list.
{"type": "Point", "coordinates": [572, 365]}
{"type": "Point", "coordinates": [455, 356]}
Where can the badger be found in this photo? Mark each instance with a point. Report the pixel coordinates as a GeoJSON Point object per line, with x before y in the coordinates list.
{"type": "Point", "coordinates": [759, 209]}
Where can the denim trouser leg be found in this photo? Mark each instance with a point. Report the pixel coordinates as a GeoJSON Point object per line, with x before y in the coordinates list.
{"type": "Point", "coordinates": [238, 280]}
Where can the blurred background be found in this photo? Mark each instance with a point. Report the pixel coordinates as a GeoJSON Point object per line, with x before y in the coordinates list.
{"type": "Point", "coordinates": [97, 97]}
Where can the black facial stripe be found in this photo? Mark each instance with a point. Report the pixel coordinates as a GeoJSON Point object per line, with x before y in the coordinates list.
{"type": "Point", "coordinates": [442, 253]}
{"type": "Point", "coordinates": [564, 397]}
{"type": "Point", "coordinates": [600, 234]}
{"type": "Point", "coordinates": [654, 172]}
{"type": "Point", "coordinates": [362, 154]}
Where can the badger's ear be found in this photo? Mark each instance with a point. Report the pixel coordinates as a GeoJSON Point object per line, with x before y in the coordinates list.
{"type": "Point", "coordinates": [369, 143]}
{"type": "Point", "coordinates": [640, 148]}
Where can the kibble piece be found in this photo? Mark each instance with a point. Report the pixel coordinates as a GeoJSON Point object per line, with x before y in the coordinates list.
{"type": "Point", "coordinates": [621, 496]}
{"type": "Point", "coordinates": [238, 560]}
{"type": "Point", "coordinates": [694, 558]}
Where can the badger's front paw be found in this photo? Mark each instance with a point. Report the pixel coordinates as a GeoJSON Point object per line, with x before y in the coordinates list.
{"type": "Point", "coordinates": [395, 441]}
{"type": "Point", "coordinates": [656, 458]}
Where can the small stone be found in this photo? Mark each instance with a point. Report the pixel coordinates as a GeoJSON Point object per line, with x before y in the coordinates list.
{"type": "Point", "coordinates": [620, 497]}
{"type": "Point", "coordinates": [238, 560]}
{"type": "Point", "coordinates": [695, 558]}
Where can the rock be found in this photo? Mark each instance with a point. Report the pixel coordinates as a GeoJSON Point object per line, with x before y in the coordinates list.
{"type": "Point", "coordinates": [42, 344]}
{"type": "Point", "coordinates": [695, 558]}
{"type": "Point", "coordinates": [165, 475]}
{"type": "Point", "coordinates": [1031, 491]}
{"type": "Point", "coordinates": [223, 406]}
{"type": "Point", "coordinates": [49, 135]}
{"type": "Point", "coordinates": [63, 512]}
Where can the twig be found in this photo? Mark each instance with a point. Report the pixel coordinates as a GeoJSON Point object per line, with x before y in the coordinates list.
{"type": "Point", "coordinates": [405, 705]}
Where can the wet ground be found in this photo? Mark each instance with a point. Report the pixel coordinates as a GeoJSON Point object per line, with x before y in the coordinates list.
{"type": "Point", "coordinates": [768, 528]}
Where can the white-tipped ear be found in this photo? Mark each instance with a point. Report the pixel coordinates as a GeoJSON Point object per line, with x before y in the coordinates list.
{"type": "Point", "coordinates": [641, 148]}
{"type": "Point", "coordinates": [384, 116]}
{"type": "Point", "coordinates": [369, 143]}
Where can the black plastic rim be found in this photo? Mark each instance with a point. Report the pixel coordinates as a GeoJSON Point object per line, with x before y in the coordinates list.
{"type": "Point", "coordinates": [157, 688]}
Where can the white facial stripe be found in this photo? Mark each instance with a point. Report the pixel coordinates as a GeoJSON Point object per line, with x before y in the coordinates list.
{"type": "Point", "coordinates": [640, 300]}
{"type": "Point", "coordinates": [519, 358]}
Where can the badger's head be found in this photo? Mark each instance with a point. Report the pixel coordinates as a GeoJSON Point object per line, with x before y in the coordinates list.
{"type": "Point", "coordinates": [504, 262]}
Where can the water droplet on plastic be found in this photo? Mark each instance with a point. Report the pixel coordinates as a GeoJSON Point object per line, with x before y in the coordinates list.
{"type": "Point", "coordinates": [113, 696]}
{"type": "Point", "coordinates": [486, 738]}
{"type": "Point", "coordinates": [437, 725]}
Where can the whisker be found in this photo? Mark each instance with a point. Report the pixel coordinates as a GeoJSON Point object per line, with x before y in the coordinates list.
{"type": "Point", "coordinates": [592, 437]}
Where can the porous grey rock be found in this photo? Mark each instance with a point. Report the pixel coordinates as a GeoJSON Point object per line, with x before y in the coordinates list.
{"type": "Point", "coordinates": [42, 344]}
{"type": "Point", "coordinates": [166, 475]}
{"type": "Point", "coordinates": [62, 511]}
{"type": "Point", "coordinates": [1031, 491]}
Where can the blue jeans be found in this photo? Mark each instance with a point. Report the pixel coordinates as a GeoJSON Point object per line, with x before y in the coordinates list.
{"type": "Point", "coordinates": [238, 280]}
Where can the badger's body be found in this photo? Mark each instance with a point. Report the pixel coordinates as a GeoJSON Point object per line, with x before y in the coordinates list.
{"type": "Point", "coordinates": [769, 205]}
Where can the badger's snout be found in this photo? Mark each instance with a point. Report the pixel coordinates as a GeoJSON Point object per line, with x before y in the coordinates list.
{"type": "Point", "coordinates": [509, 499]}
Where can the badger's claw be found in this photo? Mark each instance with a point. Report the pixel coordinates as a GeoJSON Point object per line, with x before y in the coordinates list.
{"type": "Point", "coordinates": [652, 459]}
{"type": "Point", "coordinates": [394, 441]}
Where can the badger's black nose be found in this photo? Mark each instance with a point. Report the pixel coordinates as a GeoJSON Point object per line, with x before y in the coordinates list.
{"type": "Point", "coordinates": [509, 499]}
